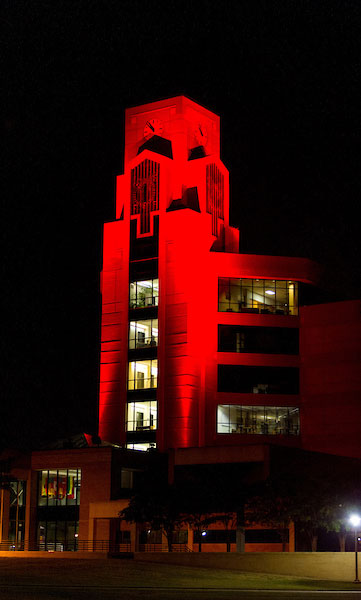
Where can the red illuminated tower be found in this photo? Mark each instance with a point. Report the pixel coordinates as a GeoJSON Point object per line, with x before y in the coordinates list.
{"type": "Point", "coordinates": [211, 356]}
{"type": "Point", "coordinates": [199, 342]}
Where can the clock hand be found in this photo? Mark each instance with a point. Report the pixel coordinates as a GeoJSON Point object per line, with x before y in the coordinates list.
{"type": "Point", "coordinates": [199, 127]}
{"type": "Point", "coordinates": [149, 125]}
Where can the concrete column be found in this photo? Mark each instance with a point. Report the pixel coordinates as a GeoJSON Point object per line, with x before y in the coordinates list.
{"type": "Point", "coordinates": [190, 538]}
{"type": "Point", "coordinates": [240, 539]}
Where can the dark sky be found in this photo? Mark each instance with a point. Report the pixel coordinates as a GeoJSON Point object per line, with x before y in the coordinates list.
{"type": "Point", "coordinates": [283, 76]}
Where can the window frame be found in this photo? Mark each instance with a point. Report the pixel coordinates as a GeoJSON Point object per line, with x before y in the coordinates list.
{"type": "Point", "coordinates": [251, 295]}
{"type": "Point", "coordinates": [250, 423]}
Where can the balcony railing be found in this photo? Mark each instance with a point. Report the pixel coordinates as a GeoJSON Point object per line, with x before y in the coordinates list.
{"type": "Point", "coordinates": [163, 548]}
{"type": "Point", "coordinates": [67, 546]}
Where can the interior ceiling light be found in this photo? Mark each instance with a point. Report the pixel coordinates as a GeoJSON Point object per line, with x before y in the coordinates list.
{"type": "Point", "coordinates": [270, 292]}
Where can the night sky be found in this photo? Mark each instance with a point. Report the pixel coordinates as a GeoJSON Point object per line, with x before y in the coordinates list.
{"type": "Point", "coordinates": [285, 79]}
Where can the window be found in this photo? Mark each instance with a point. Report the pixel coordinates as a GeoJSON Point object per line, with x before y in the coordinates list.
{"type": "Point", "coordinates": [58, 509]}
{"type": "Point", "coordinates": [215, 536]}
{"type": "Point", "coordinates": [143, 446]}
{"type": "Point", "coordinates": [58, 536]}
{"type": "Point", "coordinates": [143, 334]}
{"type": "Point", "coordinates": [143, 374]}
{"type": "Point", "coordinates": [258, 380]}
{"type": "Point", "coordinates": [261, 420]}
{"type": "Point", "coordinates": [128, 478]}
{"type": "Point", "coordinates": [150, 536]}
{"type": "Point", "coordinates": [16, 532]}
{"type": "Point", "coordinates": [265, 340]}
{"type": "Point", "coordinates": [214, 195]}
{"type": "Point", "coordinates": [59, 487]}
{"type": "Point", "coordinates": [141, 415]}
{"type": "Point", "coordinates": [266, 536]}
{"type": "Point", "coordinates": [144, 293]}
{"type": "Point", "coordinates": [145, 192]}
{"type": "Point", "coordinates": [264, 296]}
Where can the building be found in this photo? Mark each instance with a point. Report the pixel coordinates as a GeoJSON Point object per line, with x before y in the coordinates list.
{"type": "Point", "coordinates": [208, 356]}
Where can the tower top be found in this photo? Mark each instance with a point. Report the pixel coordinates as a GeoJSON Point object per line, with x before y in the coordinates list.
{"type": "Point", "coordinates": [181, 122]}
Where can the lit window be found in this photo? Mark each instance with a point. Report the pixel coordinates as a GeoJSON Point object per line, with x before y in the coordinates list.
{"type": "Point", "coordinates": [143, 374]}
{"type": "Point", "coordinates": [143, 447]}
{"type": "Point", "coordinates": [265, 296]}
{"type": "Point", "coordinates": [143, 334]}
{"type": "Point", "coordinates": [141, 416]}
{"type": "Point", "coordinates": [261, 420]}
{"type": "Point", "coordinates": [144, 293]}
{"type": "Point", "coordinates": [59, 487]}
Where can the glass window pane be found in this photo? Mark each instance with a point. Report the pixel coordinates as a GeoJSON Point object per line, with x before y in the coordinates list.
{"type": "Point", "coordinates": [133, 295]}
{"type": "Point", "coordinates": [270, 295]}
{"type": "Point", "coordinates": [257, 420]}
{"type": "Point", "coordinates": [258, 295]}
{"type": "Point", "coordinates": [50, 535]}
{"type": "Point", "coordinates": [155, 292]}
{"type": "Point", "coordinates": [52, 488]}
{"type": "Point", "coordinates": [223, 425]}
{"type": "Point", "coordinates": [13, 489]}
{"type": "Point", "coordinates": [143, 334]}
{"type": "Point", "coordinates": [142, 374]}
{"type": "Point", "coordinates": [71, 491]}
{"type": "Point", "coordinates": [62, 487]}
{"type": "Point", "coordinates": [154, 333]}
{"type": "Point", "coordinates": [143, 293]}
{"type": "Point", "coordinates": [131, 375]}
{"type": "Point", "coordinates": [281, 417]}
{"type": "Point", "coordinates": [43, 488]}
{"type": "Point", "coordinates": [246, 293]}
{"type": "Point", "coordinates": [126, 479]}
{"type": "Point", "coordinates": [41, 535]}
{"type": "Point", "coordinates": [141, 415]}
{"type": "Point", "coordinates": [281, 298]}
{"type": "Point", "coordinates": [234, 418]}
{"type": "Point", "coordinates": [60, 535]}
{"type": "Point", "coordinates": [223, 294]}
{"type": "Point", "coordinates": [78, 486]}
{"type": "Point", "coordinates": [271, 420]}
{"type": "Point", "coordinates": [71, 535]}
{"type": "Point", "coordinates": [142, 447]}
{"type": "Point", "coordinates": [293, 297]}
{"type": "Point", "coordinates": [154, 374]}
{"type": "Point", "coordinates": [132, 335]}
{"type": "Point", "coordinates": [21, 493]}
{"type": "Point", "coordinates": [234, 294]}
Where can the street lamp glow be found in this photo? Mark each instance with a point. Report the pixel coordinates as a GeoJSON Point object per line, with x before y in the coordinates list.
{"type": "Point", "coordinates": [355, 522]}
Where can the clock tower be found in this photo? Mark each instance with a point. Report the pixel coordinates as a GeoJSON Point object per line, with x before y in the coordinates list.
{"type": "Point", "coordinates": [172, 206]}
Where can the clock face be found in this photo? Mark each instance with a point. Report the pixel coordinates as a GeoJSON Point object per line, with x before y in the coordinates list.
{"type": "Point", "coordinates": [153, 127]}
{"type": "Point", "coordinates": [200, 133]}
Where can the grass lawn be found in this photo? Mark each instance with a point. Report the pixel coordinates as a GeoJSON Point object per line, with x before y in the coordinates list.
{"type": "Point", "coordinates": [130, 574]}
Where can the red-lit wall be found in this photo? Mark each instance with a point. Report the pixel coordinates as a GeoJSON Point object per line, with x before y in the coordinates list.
{"type": "Point", "coordinates": [330, 346]}
{"type": "Point", "coordinates": [114, 331]}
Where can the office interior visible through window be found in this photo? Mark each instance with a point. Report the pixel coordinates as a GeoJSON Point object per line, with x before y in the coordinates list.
{"type": "Point", "coordinates": [143, 374]}
{"type": "Point", "coordinates": [264, 296]}
{"type": "Point", "coordinates": [143, 334]}
{"type": "Point", "coordinates": [262, 420]}
{"type": "Point", "coordinates": [144, 293]}
{"type": "Point", "coordinates": [141, 415]}
{"type": "Point", "coordinates": [142, 446]}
